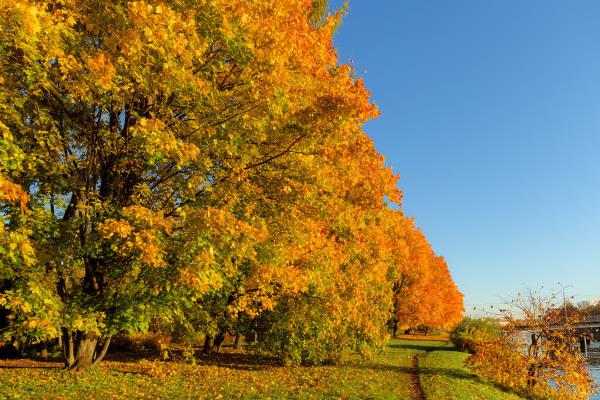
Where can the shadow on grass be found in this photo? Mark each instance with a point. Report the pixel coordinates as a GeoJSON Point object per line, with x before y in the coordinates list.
{"type": "Point", "coordinates": [454, 373]}
{"type": "Point", "coordinates": [131, 356]}
{"type": "Point", "coordinates": [225, 359]}
{"type": "Point", "coordinates": [420, 347]}
{"type": "Point", "coordinates": [30, 367]}
{"type": "Point", "coordinates": [26, 363]}
{"type": "Point", "coordinates": [238, 361]}
{"type": "Point", "coordinates": [447, 372]}
{"type": "Point", "coordinates": [230, 360]}
{"type": "Point", "coordinates": [462, 375]}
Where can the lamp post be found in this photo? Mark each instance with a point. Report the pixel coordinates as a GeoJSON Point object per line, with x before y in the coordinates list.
{"type": "Point", "coordinates": [564, 299]}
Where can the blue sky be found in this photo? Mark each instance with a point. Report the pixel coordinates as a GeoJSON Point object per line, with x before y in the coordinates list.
{"type": "Point", "coordinates": [490, 113]}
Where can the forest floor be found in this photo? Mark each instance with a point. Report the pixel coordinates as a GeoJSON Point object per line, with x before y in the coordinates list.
{"type": "Point", "coordinates": [408, 369]}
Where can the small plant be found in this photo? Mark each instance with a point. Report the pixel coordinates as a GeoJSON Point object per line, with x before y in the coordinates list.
{"type": "Point", "coordinates": [189, 355]}
{"type": "Point", "coordinates": [472, 332]}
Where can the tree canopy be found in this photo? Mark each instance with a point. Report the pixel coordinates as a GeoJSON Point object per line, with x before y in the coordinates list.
{"type": "Point", "coordinates": [203, 161]}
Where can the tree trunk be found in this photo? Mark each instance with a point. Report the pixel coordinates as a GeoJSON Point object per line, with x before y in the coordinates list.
{"type": "Point", "coordinates": [85, 351]}
{"type": "Point", "coordinates": [219, 339]}
{"type": "Point", "coordinates": [68, 348]}
{"type": "Point", "coordinates": [239, 340]}
{"type": "Point", "coordinates": [44, 350]}
{"type": "Point", "coordinates": [103, 351]}
{"type": "Point", "coordinates": [81, 352]}
{"type": "Point", "coordinates": [208, 344]}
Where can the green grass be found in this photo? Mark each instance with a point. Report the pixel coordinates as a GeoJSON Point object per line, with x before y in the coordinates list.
{"type": "Point", "coordinates": [388, 376]}
{"type": "Point", "coordinates": [443, 376]}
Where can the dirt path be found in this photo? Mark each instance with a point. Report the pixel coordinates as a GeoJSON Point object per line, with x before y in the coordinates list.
{"type": "Point", "coordinates": [417, 389]}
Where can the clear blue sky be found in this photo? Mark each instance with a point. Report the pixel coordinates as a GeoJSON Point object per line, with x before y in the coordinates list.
{"type": "Point", "coordinates": [491, 116]}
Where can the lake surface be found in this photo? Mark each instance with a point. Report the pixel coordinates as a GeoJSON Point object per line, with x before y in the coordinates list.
{"type": "Point", "coordinates": [596, 373]}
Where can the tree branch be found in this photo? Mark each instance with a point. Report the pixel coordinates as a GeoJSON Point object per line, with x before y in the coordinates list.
{"type": "Point", "coordinates": [285, 151]}
{"type": "Point", "coordinates": [103, 351]}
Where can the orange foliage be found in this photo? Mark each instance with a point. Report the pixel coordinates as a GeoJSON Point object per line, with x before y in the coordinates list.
{"type": "Point", "coordinates": [207, 155]}
{"type": "Point", "coordinates": [537, 355]}
{"type": "Point", "coordinates": [13, 194]}
{"type": "Point", "coordinates": [424, 291]}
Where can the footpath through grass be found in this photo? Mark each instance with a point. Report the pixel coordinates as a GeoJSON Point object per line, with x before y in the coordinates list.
{"type": "Point", "coordinates": [235, 376]}
{"type": "Point", "coordinates": [442, 376]}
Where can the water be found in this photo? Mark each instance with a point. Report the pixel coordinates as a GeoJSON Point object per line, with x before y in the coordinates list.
{"type": "Point", "coordinates": [596, 374]}
{"type": "Point", "coordinates": [594, 360]}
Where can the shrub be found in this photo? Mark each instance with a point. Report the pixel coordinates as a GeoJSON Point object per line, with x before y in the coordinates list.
{"type": "Point", "coordinates": [472, 332]}
{"type": "Point", "coordinates": [312, 335]}
{"type": "Point", "coordinates": [550, 368]}
{"type": "Point", "coordinates": [536, 356]}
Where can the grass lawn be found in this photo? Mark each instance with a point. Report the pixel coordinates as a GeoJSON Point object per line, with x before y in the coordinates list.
{"type": "Point", "coordinates": [443, 376]}
{"type": "Point", "coordinates": [235, 376]}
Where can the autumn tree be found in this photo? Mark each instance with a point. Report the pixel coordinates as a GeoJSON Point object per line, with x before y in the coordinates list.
{"type": "Point", "coordinates": [139, 124]}
{"type": "Point", "coordinates": [536, 355]}
{"type": "Point", "coordinates": [199, 160]}
{"type": "Point", "coordinates": [346, 301]}
{"type": "Point", "coordinates": [423, 290]}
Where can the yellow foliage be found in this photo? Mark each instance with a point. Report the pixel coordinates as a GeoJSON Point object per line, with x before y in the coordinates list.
{"type": "Point", "coordinates": [102, 68]}
{"type": "Point", "coordinates": [541, 361]}
{"type": "Point", "coordinates": [112, 227]}
{"type": "Point", "coordinates": [215, 147]}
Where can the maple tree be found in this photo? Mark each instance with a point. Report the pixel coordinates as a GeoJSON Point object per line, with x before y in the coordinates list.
{"type": "Point", "coordinates": [424, 292]}
{"type": "Point", "coordinates": [202, 161]}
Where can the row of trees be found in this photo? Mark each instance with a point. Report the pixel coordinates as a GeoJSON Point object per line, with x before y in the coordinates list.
{"type": "Point", "coordinates": [581, 309]}
{"type": "Point", "coordinates": [202, 161]}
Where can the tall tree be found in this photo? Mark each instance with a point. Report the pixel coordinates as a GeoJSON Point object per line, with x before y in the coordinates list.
{"type": "Point", "coordinates": [424, 292]}
{"type": "Point", "coordinates": [190, 158]}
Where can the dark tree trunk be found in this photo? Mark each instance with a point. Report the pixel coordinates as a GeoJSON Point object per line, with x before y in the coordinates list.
{"type": "Point", "coordinates": [208, 344]}
{"type": "Point", "coordinates": [219, 339]}
{"type": "Point", "coordinates": [398, 286]}
{"type": "Point", "coordinates": [20, 345]}
{"type": "Point", "coordinates": [80, 349]}
{"type": "Point", "coordinates": [68, 348]}
{"type": "Point", "coordinates": [5, 285]}
{"type": "Point", "coordinates": [44, 350]}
